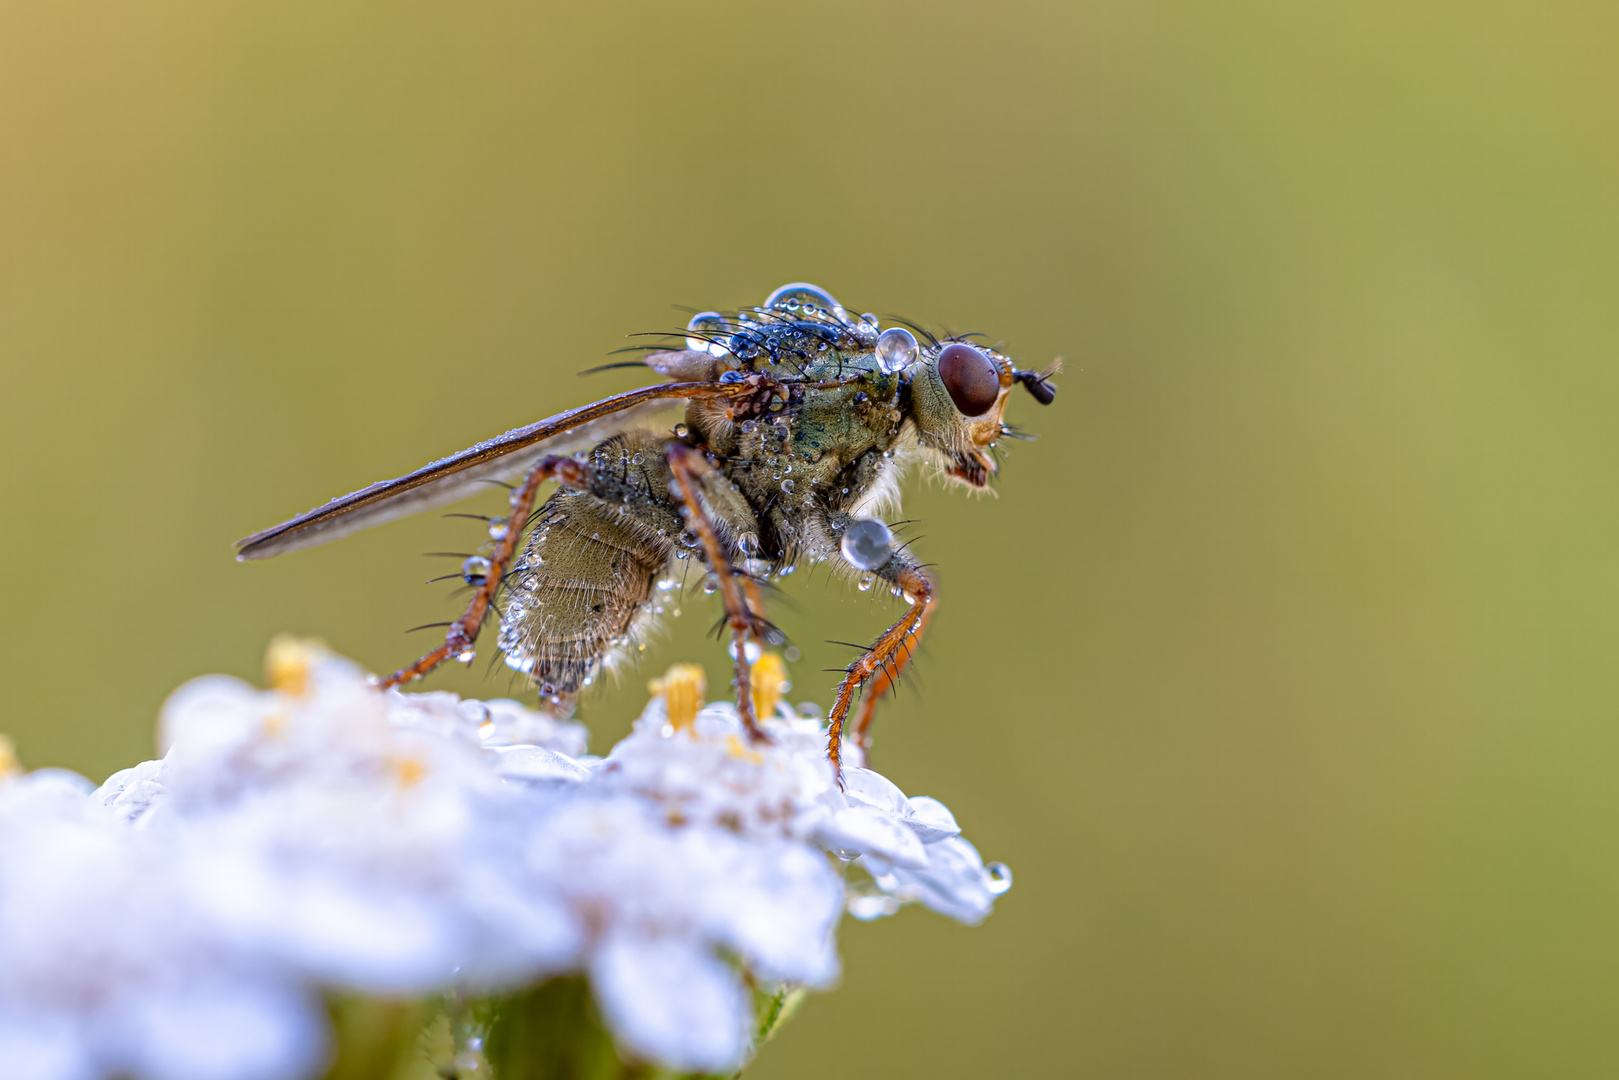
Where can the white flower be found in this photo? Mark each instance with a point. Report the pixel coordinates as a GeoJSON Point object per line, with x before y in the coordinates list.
{"type": "Point", "coordinates": [110, 966]}
{"type": "Point", "coordinates": [180, 921]}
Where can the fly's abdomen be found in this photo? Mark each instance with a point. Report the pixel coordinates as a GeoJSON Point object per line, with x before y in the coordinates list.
{"type": "Point", "coordinates": [583, 585]}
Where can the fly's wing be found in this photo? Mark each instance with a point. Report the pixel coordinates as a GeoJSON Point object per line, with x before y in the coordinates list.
{"type": "Point", "coordinates": [459, 475]}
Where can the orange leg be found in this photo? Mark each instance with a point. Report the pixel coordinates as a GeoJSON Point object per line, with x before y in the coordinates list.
{"type": "Point", "coordinates": [464, 631]}
{"type": "Point", "coordinates": [881, 664]}
{"type": "Point", "coordinates": [687, 466]}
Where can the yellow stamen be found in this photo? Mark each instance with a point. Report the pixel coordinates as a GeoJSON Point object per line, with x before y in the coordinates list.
{"type": "Point", "coordinates": [410, 771]}
{"type": "Point", "coordinates": [9, 763]}
{"type": "Point", "coordinates": [769, 682]}
{"type": "Point", "coordinates": [734, 747]}
{"type": "Point", "coordinates": [682, 688]}
{"type": "Point", "coordinates": [287, 663]}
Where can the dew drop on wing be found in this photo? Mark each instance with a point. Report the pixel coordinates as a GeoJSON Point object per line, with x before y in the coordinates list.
{"type": "Point", "coordinates": [497, 528]}
{"type": "Point", "coordinates": [787, 486]}
{"type": "Point", "coordinates": [865, 582]}
{"type": "Point", "coordinates": [867, 544]}
{"type": "Point", "coordinates": [475, 570]}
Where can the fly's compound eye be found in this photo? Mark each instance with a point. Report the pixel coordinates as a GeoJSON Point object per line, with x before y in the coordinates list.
{"type": "Point", "coordinates": [971, 378]}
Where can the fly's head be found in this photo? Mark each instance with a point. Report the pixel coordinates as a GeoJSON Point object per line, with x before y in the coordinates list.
{"type": "Point", "coordinates": [959, 392]}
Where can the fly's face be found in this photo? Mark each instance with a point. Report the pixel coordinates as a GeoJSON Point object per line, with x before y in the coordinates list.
{"type": "Point", "coordinates": [958, 399]}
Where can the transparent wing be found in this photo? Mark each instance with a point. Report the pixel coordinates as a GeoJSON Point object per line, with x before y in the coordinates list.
{"type": "Point", "coordinates": [460, 475]}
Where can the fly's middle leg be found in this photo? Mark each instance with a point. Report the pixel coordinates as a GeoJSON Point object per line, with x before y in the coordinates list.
{"type": "Point", "coordinates": [688, 467]}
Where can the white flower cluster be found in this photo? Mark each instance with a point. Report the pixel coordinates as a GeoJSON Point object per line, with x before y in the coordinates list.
{"type": "Point", "coordinates": [181, 921]}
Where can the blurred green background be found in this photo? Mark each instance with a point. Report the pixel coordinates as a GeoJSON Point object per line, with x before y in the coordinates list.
{"type": "Point", "coordinates": [1282, 670]}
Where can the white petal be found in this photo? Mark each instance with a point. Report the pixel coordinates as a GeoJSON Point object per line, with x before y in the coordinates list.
{"type": "Point", "coordinates": [537, 765]}
{"type": "Point", "coordinates": [873, 789]}
{"type": "Point", "coordinates": [43, 1048]}
{"type": "Point", "coordinates": [930, 819]}
{"type": "Point", "coordinates": [953, 883]}
{"type": "Point", "coordinates": [226, 1032]}
{"type": "Point", "coordinates": [673, 1002]}
{"type": "Point", "coordinates": [861, 830]}
{"type": "Point", "coordinates": [212, 710]}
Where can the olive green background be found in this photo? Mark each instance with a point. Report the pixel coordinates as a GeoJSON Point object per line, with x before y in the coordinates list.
{"type": "Point", "coordinates": [1282, 670]}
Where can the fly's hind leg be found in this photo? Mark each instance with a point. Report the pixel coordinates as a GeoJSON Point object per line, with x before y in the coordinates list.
{"type": "Point", "coordinates": [688, 467]}
{"type": "Point", "coordinates": [463, 632]}
{"type": "Point", "coordinates": [879, 667]}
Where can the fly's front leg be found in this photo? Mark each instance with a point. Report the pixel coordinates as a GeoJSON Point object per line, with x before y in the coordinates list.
{"type": "Point", "coordinates": [879, 667]}
{"type": "Point", "coordinates": [688, 467]}
{"type": "Point", "coordinates": [464, 631]}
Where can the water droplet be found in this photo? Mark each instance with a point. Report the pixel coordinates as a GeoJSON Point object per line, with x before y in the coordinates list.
{"type": "Point", "coordinates": [792, 655]}
{"type": "Point", "coordinates": [638, 459]}
{"type": "Point", "coordinates": [795, 294]}
{"type": "Point", "coordinates": [867, 544]}
{"type": "Point", "coordinates": [475, 570]}
{"type": "Point", "coordinates": [748, 543]}
{"type": "Point", "coordinates": [845, 491]}
{"type": "Point", "coordinates": [708, 324]}
{"type": "Point", "coordinates": [731, 376]}
{"type": "Point", "coordinates": [680, 431]}
{"type": "Point", "coordinates": [667, 584]}
{"type": "Point", "coordinates": [786, 571]}
{"type": "Point", "coordinates": [497, 528]}
{"type": "Point", "coordinates": [787, 486]}
{"type": "Point", "coordinates": [465, 656]}
{"type": "Point", "coordinates": [711, 584]}
{"type": "Point", "coordinates": [896, 349]}
{"type": "Point", "coordinates": [749, 426]}
{"type": "Point", "coordinates": [998, 876]}
{"type": "Point", "coordinates": [587, 680]}
{"type": "Point", "coordinates": [864, 582]}
{"type": "Point", "coordinates": [861, 398]}
{"type": "Point", "coordinates": [895, 591]}
{"type": "Point", "coordinates": [530, 584]}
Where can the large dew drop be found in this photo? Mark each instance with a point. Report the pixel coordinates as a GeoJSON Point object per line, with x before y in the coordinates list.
{"type": "Point", "coordinates": [868, 544]}
{"type": "Point", "coordinates": [896, 349]}
{"type": "Point", "coordinates": [800, 295]}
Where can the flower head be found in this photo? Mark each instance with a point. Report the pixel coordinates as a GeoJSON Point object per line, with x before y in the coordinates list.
{"type": "Point", "coordinates": [323, 834]}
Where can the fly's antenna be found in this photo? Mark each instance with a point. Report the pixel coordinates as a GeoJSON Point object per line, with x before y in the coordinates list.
{"type": "Point", "coordinates": [1039, 383]}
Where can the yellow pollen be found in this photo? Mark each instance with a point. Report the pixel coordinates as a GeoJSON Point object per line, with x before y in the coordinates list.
{"type": "Point", "coordinates": [410, 771]}
{"type": "Point", "coordinates": [682, 688]}
{"type": "Point", "coordinates": [287, 663]}
{"type": "Point", "coordinates": [769, 682]}
{"type": "Point", "coordinates": [734, 747]}
{"type": "Point", "coordinates": [9, 763]}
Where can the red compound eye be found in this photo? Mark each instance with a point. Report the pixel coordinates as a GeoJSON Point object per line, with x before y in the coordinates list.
{"type": "Point", "coordinates": [971, 378]}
